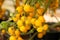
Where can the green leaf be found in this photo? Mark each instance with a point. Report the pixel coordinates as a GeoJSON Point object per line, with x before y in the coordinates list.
{"type": "Point", "coordinates": [4, 24]}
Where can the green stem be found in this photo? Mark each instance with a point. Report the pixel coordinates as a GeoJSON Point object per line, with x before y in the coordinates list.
{"type": "Point", "coordinates": [26, 1]}
{"type": "Point", "coordinates": [48, 4]}
{"type": "Point", "coordinates": [56, 18]}
{"type": "Point", "coordinates": [40, 1]}
{"type": "Point", "coordinates": [31, 31]}
{"type": "Point", "coordinates": [9, 20]}
{"type": "Point", "coordinates": [33, 2]}
{"type": "Point", "coordinates": [33, 36]}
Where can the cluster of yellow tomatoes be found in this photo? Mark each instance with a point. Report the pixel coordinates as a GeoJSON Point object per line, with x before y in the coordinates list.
{"type": "Point", "coordinates": [14, 34]}
{"type": "Point", "coordinates": [27, 15]}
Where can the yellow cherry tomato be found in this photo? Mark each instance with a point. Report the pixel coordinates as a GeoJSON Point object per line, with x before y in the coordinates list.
{"type": "Point", "coordinates": [19, 9]}
{"type": "Point", "coordinates": [3, 31]}
{"type": "Point", "coordinates": [45, 27]}
{"type": "Point", "coordinates": [12, 38]}
{"type": "Point", "coordinates": [40, 35]}
{"type": "Point", "coordinates": [40, 29]}
{"type": "Point", "coordinates": [17, 32]}
{"type": "Point", "coordinates": [19, 23]}
{"type": "Point", "coordinates": [11, 30]}
{"type": "Point", "coordinates": [23, 29]}
{"type": "Point", "coordinates": [19, 38]}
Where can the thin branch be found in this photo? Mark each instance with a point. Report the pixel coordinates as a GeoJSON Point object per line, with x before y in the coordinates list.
{"type": "Point", "coordinates": [33, 35]}
{"type": "Point", "coordinates": [48, 4]}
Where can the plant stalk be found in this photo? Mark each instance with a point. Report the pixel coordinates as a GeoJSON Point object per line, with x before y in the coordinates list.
{"type": "Point", "coordinates": [33, 36]}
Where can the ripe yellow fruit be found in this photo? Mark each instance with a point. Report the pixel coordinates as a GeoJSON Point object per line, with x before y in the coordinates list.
{"type": "Point", "coordinates": [23, 29]}
{"type": "Point", "coordinates": [31, 14]}
{"type": "Point", "coordinates": [38, 23]}
{"type": "Point", "coordinates": [31, 9]}
{"type": "Point", "coordinates": [27, 22]}
{"type": "Point", "coordinates": [3, 31]}
{"type": "Point", "coordinates": [37, 5]}
{"type": "Point", "coordinates": [11, 30]}
{"type": "Point", "coordinates": [17, 15]}
{"type": "Point", "coordinates": [19, 9]}
{"type": "Point", "coordinates": [27, 27]}
{"type": "Point", "coordinates": [29, 18]}
{"type": "Point", "coordinates": [41, 19]}
{"type": "Point", "coordinates": [40, 11]}
{"type": "Point", "coordinates": [45, 27]}
{"type": "Point", "coordinates": [33, 21]}
{"type": "Point", "coordinates": [17, 33]}
{"type": "Point", "coordinates": [40, 29]}
{"type": "Point", "coordinates": [12, 38]}
{"type": "Point", "coordinates": [28, 8]}
{"type": "Point", "coordinates": [14, 19]}
{"type": "Point", "coordinates": [40, 35]}
{"type": "Point", "coordinates": [19, 23]}
{"type": "Point", "coordinates": [19, 38]}
{"type": "Point", "coordinates": [23, 18]}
